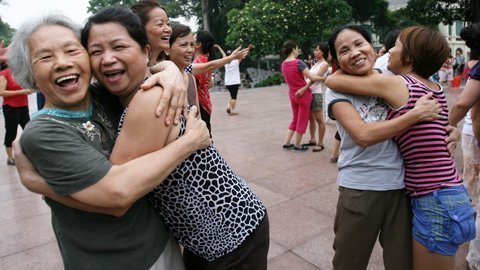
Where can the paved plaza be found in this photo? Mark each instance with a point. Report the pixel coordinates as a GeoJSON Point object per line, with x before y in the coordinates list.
{"type": "Point", "coordinates": [299, 189]}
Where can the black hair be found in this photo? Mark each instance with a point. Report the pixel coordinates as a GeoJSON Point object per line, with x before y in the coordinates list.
{"type": "Point", "coordinates": [207, 40]}
{"type": "Point", "coordinates": [179, 30]}
{"type": "Point", "coordinates": [121, 15]}
{"type": "Point", "coordinates": [389, 39]}
{"type": "Point", "coordinates": [471, 35]}
{"type": "Point", "coordinates": [323, 47]}
{"type": "Point", "coordinates": [333, 38]}
{"type": "Point", "coordinates": [288, 47]}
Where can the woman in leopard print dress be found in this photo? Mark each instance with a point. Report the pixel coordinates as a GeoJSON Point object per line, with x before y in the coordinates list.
{"type": "Point", "coordinates": [209, 209]}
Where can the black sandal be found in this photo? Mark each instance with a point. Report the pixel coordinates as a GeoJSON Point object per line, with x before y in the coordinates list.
{"type": "Point", "coordinates": [287, 146]}
{"type": "Point", "coordinates": [301, 148]}
{"type": "Point", "coordinates": [318, 148]}
{"type": "Point", "coordinates": [310, 143]}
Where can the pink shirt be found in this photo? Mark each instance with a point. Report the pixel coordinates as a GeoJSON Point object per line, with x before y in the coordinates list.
{"type": "Point", "coordinates": [428, 164]}
{"type": "Point", "coordinates": [292, 72]}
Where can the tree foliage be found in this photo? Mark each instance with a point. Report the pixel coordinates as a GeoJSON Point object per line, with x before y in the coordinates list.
{"type": "Point", "coordinates": [267, 24]}
{"type": "Point", "coordinates": [432, 12]}
{"type": "Point", "coordinates": [96, 5]}
{"type": "Point", "coordinates": [6, 32]}
{"type": "Point", "coordinates": [217, 13]}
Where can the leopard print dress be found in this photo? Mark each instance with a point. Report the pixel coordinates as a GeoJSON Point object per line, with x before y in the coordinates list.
{"type": "Point", "coordinates": [209, 209]}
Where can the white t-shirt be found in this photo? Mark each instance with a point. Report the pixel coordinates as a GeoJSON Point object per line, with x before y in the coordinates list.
{"type": "Point", "coordinates": [318, 87]}
{"type": "Point", "coordinates": [232, 73]}
{"type": "Point", "coordinates": [382, 63]}
{"type": "Point", "coordinates": [467, 125]}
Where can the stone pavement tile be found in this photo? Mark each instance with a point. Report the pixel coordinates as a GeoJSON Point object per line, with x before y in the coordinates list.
{"type": "Point", "coordinates": [41, 257]}
{"type": "Point", "coordinates": [10, 186]}
{"type": "Point", "coordinates": [26, 233]}
{"type": "Point", "coordinates": [290, 261]}
{"type": "Point", "coordinates": [22, 208]}
{"type": "Point", "coordinates": [318, 249]}
{"type": "Point", "coordinates": [269, 198]}
{"type": "Point", "coordinates": [292, 223]}
{"type": "Point", "coordinates": [288, 185]}
{"type": "Point", "coordinates": [319, 252]}
{"type": "Point", "coordinates": [323, 199]}
{"type": "Point", "coordinates": [275, 249]}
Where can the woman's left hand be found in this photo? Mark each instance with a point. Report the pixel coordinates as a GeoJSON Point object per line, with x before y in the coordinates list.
{"type": "Point", "coordinates": [174, 96]}
{"type": "Point", "coordinates": [299, 93]}
{"type": "Point", "coordinates": [453, 137]}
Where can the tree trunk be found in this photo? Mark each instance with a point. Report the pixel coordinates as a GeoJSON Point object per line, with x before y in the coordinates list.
{"type": "Point", "coordinates": [206, 24]}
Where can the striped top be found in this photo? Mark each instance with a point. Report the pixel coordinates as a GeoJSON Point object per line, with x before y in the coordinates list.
{"type": "Point", "coordinates": [428, 164]}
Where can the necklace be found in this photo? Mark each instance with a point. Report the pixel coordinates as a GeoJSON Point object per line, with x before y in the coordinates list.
{"type": "Point", "coordinates": [66, 113]}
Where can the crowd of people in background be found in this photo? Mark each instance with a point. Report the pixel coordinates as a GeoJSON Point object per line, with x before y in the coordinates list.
{"type": "Point", "coordinates": [136, 185]}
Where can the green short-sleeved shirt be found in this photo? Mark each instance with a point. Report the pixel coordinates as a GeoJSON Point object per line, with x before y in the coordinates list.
{"type": "Point", "coordinates": [71, 150]}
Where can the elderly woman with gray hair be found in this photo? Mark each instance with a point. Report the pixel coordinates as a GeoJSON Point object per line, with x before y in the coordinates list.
{"type": "Point", "coordinates": [70, 141]}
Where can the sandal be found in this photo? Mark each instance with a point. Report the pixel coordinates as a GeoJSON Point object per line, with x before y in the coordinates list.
{"type": "Point", "coordinates": [310, 143]}
{"type": "Point", "coordinates": [318, 148]}
{"type": "Point", "coordinates": [333, 159]}
{"type": "Point", "coordinates": [287, 146]}
{"type": "Point", "coordinates": [302, 148]}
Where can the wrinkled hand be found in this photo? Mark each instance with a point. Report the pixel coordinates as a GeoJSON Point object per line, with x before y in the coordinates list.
{"type": "Point", "coordinates": [3, 52]}
{"type": "Point", "coordinates": [197, 129]}
{"type": "Point", "coordinates": [428, 109]}
{"type": "Point", "coordinates": [240, 53]}
{"type": "Point", "coordinates": [174, 94]}
{"type": "Point", "coordinates": [453, 137]}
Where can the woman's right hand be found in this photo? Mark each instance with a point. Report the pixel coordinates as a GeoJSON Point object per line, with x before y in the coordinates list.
{"type": "Point", "coordinates": [427, 108]}
{"type": "Point", "coordinates": [197, 130]}
{"type": "Point", "coordinates": [240, 53]}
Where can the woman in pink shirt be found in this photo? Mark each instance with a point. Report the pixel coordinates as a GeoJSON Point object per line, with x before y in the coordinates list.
{"type": "Point", "coordinates": [294, 71]}
{"type": "Point", "coordinates": [442, 212]}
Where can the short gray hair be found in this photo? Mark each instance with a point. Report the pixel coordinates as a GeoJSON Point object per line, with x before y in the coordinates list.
{"type": "Point", "coordinates": [19, 58]}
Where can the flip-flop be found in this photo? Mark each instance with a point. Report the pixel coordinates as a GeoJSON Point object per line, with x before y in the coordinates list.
{"type": "Point", "coordinates": [318, 148]}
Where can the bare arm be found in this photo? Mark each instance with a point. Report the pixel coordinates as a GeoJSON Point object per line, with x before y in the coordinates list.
{"type": "Point", "coordinates": [366, 134]}
{"type": "Point", "coordinates": [312, 77]}
{"type": "Point", "coordinates": [320, 72]}
{"type": "Point", "coordinates": [132, 176]}
{"type": "Point", "coordinates": [465, 101]}
{"type": "Point", "coordinates": [199, 68]}
{"type": "Point", "coordinates": [139, 169]}
{"type": "Point", "coordinates": [219, 48]}
{"type": "Point", "coordinates": [34, 182]}
{"type": "Point", "coordinates": [4, 92]}
{"type": "Point", "coordinates": [390, 88]}
{"type": "Point", "coordinates": [167, 75]}
{"type": "Point", "coordinates": [475, 115]}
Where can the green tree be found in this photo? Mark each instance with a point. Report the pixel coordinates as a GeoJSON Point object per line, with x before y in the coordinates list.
{"type": "Point", "coordinates": [432, 12]}
{"type": "Point", "coordinates": [215, 14]}
{"type": "Point", "coordinates": [6, 32]}
{"type": "Point", "coordinates": [267, 24]}
{"type": "Point", "coordinates": [96, 5]}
